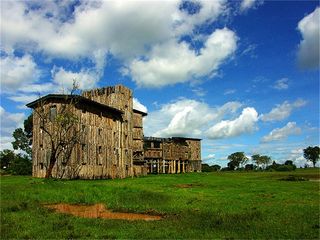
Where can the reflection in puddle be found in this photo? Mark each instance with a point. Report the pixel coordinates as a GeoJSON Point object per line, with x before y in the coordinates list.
{"type": "Point", "coordinates": [99, 211]}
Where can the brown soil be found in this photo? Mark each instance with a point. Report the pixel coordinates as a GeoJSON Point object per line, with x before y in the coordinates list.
{"type": "Point", "coordinates": [99, 211]}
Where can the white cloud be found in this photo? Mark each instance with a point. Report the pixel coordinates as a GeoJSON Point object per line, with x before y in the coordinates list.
{"type": "Point", "coordinates": [172, 62]}
{"type": "Point", "coordinates": [247, 4]}
{"type": "Point", "coordinates": [98, 25]}
{"type": "Point", "coordinates": [186, 117]}
{"type": "Point", "coordinates": [282, 111]}
{"type": "Point", "coordinates": [9, 122]}
{"type": "Point", "coordinates": [85, 78]}
{"type": "Point", "coordinates": [281, 84]}
{"type": "Point", "coordinates": [139, 106]}
{"type": "Point", "coordinates": [24, 99]}
{"type": "Point", "coordinates": [200, 92]}
{"type": "Point", "coordinates": [229, 91]}
{"type": "Point", "coordinates": [245, 123]}
{"type": "Point", "coordinates": [95, 29]}
{"type": "Point", "coordinates": [38, 88]}
{"type": "Point", "coordinates": [308, 54]}
{"type": "Point", "coordinates": [282, 133]}
{"type": "Point", "coordinates": [210, 156]}
{"type": "Point", "coordinates": [18, 72]}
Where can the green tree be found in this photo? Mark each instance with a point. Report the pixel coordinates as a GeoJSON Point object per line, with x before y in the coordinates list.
{"type": "Point", "coordinates": [6, 157]}
{"type": "Point", "coordinates": [236, 159]}
{"type": "Point", "coordinates": [256, 158]}
{"type": "Point", "coordinates": [261, 160]}
{"type": "Point", "coordinates": [312, 154]}
{"type": "Point", "coordinates": [23, 138]}
{"type": "Point", "coordinates": [16, 164]}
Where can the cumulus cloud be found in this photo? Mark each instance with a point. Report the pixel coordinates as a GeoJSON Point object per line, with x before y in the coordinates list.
{"type": "Point", "coordinates": [308, 54]}
{"type": "Point", "coordinates": [94, 29]}
{"type": "Point", "coordinates": [281, 84]}
{"type": "Point", "coordinates": [139, 106]}
{"type": "Point", "coordinates": [9, 122]}
{"type": "Point", "coordinates": [172, 62]}
{"type": "Point", "coordinates": [17, 72]}
{"type": "Point", "coordinates": [282, 111]}
{"type": "Point", "coordinates": [245, 123]}
{"type": "Point", "coordinates": [85, 78]}
{"type": "Point", "coordinates": [282, 133]}
{"type": "Point", "coordinates": [186, 117]}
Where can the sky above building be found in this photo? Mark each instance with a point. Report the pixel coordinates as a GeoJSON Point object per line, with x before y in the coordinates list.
{"type": "Point", "coordinates": [241, 75]}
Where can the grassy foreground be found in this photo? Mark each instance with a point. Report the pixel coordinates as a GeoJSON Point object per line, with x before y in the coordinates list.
{"type": "Point", "coordinates": [216, 205]}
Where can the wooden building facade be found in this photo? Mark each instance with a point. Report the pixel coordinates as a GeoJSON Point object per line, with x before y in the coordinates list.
{"type": "Point", "coordinates": [111, 141]}
{"type": "Point", "coordinates": [172, 155]}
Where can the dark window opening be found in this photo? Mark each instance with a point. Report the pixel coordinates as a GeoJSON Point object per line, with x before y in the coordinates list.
{"type": "Point", "coordinates": [83, 147]}
{"type": "Point", "coordinates": [99, 131]}
{"type": "Point", "coordinates": [147, 144]}
{"type": "Point", "coordinates": [41, 145]}
{"type": "Point", "coordinates": [156, 144]}
{"type": "Point", "coordinates": [99, 149]}
{"type": "Point", "coordinates": [53, 113]}
{"type": "Point", "coordinates": [41, 165]}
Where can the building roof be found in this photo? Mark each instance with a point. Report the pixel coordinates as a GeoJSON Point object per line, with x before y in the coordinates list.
{"type": "Point", "coordinates": [157, 139]}
{"type": "Point", "coordinates": [140, 112]}
{"type": "Point", "coordinates": [79, 98]}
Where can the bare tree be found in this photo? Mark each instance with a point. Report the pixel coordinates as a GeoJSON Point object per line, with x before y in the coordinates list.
{"type": "Point", "coordinates": [62, 128]}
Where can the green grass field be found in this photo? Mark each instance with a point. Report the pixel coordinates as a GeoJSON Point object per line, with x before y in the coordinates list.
{"type": "Point", "coordinates": [217, 205]}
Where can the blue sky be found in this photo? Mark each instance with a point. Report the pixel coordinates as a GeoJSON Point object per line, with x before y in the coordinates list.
{"type": "Point", "coordinates": [241, 75]}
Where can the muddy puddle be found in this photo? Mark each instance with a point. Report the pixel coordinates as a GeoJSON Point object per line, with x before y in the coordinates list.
{"type": "Point", "coordinates": [99, 211]}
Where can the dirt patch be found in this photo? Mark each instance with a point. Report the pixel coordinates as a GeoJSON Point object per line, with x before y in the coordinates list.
{"type": "Point", "coordinates": [190, 185]}
{"type": "Point", "coordinates": [99, 211]}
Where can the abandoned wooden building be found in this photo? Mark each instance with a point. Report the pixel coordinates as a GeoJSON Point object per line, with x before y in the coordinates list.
{"type": "Point", "coordinates": [172, 155]}
{"type": "Point", "coordinates": [110, 141]}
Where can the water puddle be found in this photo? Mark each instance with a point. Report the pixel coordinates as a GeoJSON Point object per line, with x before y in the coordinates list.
{"type": "Point", "coordinates": [99, 211]}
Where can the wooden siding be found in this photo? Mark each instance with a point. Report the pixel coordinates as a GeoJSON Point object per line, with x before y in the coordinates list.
{"type": "Point", "coordinates": [112, 143]}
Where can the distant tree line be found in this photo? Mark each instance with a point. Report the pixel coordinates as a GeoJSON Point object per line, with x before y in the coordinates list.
{"type": "Point", "coordinates": [238, 161]}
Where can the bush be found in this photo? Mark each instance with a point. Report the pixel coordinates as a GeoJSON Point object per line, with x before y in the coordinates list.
{"type": "Point", "coordinates": [207, 168]}
{"type": "Point", "coordinates": [285, 168]}
{"type": "Point", "coordinates": [15, 164]}
{"type": "Point", "coordinates": [21, 165]}
{"type": "Point", "coordinates": [281, 167]}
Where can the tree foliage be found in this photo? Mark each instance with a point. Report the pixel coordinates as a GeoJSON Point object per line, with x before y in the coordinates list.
{"type": "Point", "coordinates": [236, 159]}
{"type": "Point", "coordinates": [23, 138]}
{"type": "Point", "coordinates": [312, 154]}
{"type": "Point", "coordinates": [263, 160]}
{"type": "Point", "coordinates": [16, 164]}
{"type": "Point", "coordinates": [206, 168]}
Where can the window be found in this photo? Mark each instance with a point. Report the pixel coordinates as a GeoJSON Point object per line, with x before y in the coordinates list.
{"type": "Point", "coordinates": [147, 145]}
{"type": "Point", "coordinates": [156, 144]}
{"type": "Point", "coordinates": [41, 165]}
{"type": "Point", "coordinates": [53, 113]}
{"type": "Point", "coordinates": [83, 147]}
{"type": "Point", "coordinates": [99, 149]}
{"type": "Point", "coordinates": [99, 131]}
